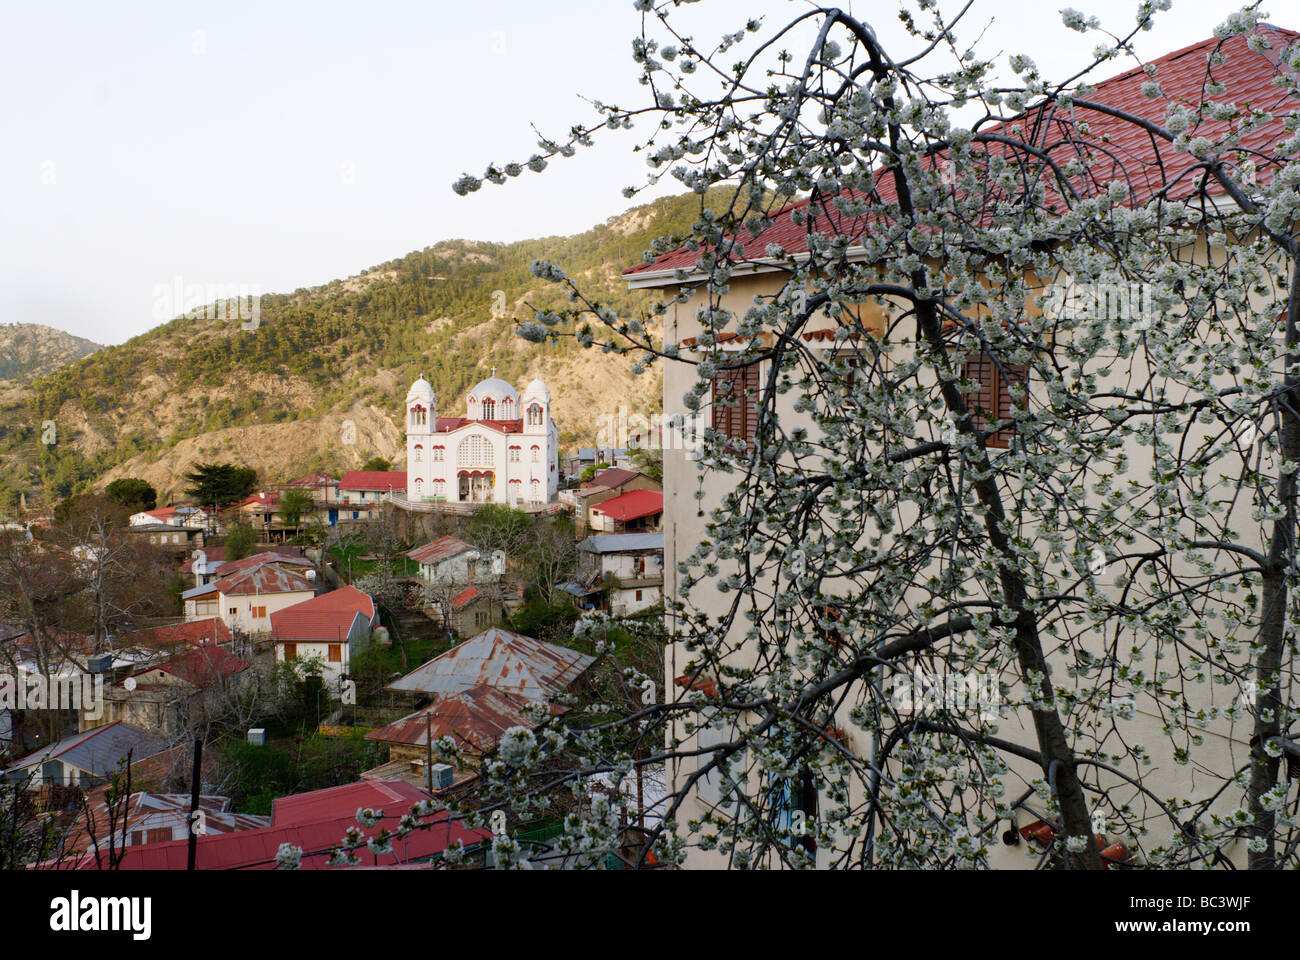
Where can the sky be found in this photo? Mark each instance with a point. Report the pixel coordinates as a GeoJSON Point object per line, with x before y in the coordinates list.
{"type": "Point", "coordinates": [276, 145]}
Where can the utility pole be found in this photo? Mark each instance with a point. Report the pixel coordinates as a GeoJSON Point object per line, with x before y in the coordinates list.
{"type": "Point", "coordinates": [428, 750]}
{"type": "Point", "coordinates": [194, 803]}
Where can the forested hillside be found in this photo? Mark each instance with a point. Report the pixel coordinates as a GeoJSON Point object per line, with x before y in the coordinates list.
{"type": "Point", "coordinates": [329, 365]}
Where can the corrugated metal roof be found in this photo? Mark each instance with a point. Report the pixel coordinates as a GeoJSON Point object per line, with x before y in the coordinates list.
{"type": "Point", "coordinates": [218, 817]}
{"type": "Point", "coordinates": [501, 659]}
{"type": "Point", "coordinates": [475, 719]}
{"type": "Point", "coordinates": [97, 751]}
{"type": "Point", "coordinates": [266, 556]}
{"type": "Point", "coordinates": [622, 542]}
{"type": "Point", "coordinates": [439, 550]}
{"type": "Point", "coordinates": [632, 506]}
{"type": "Point", "coordinates": [202, 666]}
{"type": "Point", "coordinates": [316, 822]}
{"type": "Point", "coordinates": [378, 480]}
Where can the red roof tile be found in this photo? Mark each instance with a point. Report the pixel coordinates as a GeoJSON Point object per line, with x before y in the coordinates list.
{"type": "Point", "coordinates": [448, 424]}
{"type": "Point", "coordinates": [1129, 152]}
{"type": "Point", "coordinates": [327, 617]}
{"type": "Point", "coordinates": [466, 596]}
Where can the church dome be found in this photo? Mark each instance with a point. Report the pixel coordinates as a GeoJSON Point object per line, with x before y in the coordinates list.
{"type": "Point", "coordinates": [537, 391]}
{"type": "Point", "coordinates": [420, 390]}
{"type": "Point", "coordinates": [494, 388]}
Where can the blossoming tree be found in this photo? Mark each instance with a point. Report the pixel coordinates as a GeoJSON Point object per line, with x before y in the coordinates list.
{"type": "Point", "coordinates": [1015, 378]}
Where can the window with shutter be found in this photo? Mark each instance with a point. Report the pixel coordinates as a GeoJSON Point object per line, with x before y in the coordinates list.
{"type": "Point", "coordinates": [336, 653]}
{"type": "Point", "coordinates": [992, 402]}
{"type": "Point", "coordinates": [158, 835]}
{"type": "Point", "coordinates": [735, 403]}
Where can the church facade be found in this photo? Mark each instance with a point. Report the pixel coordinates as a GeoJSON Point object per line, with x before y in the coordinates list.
{"type": "Point", "coordinates": [504, 450]}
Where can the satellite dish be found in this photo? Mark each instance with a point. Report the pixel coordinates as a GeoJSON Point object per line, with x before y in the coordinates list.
{"type": "Point", "coordinates": [129, 683]}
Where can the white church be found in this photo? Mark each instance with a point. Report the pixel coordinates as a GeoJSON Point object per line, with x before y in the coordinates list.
{"type": "Point", "coordinates": [504, 450]}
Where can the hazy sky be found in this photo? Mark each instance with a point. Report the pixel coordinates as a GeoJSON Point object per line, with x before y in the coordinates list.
{"type": "Point", "coordinates": [284, 144]}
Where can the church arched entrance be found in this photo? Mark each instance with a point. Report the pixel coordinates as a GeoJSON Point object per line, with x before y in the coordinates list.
{"type": "Point", "coordinates": [477, 486]}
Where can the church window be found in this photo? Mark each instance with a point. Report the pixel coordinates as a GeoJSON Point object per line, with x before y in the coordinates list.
{"type": "Point", "coordinates": [474, 452]}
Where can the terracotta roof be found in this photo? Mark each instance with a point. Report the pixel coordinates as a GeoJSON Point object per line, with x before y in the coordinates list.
{"type": "Point", "coordinates": [327, 617]}
{"type": "Point", "coordinates": [381, 480]}
{"type": "Point", "coordinates": [262, 500]}
{"type": "Point", "coordinates": [201, 666]}
{"type": "Point", "coordinates": [632, 506]}
{"type": "Point", "coordinates": [499, 658]}
{"type": "Point", "coordinates": [1129, 153]}
{"type": "Point", "coordinates": [344, 598]}
{"type": "Point", "coordinates": [475, 718]}
{"type": "Point", "coordinates": [466, 596]}
{"type": "Point", "coordinates": [439, 550]}
{"type": "Point", "coordinates": [316, 822]}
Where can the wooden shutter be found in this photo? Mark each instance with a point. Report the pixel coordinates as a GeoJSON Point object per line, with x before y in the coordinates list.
{"type": "Point", "coordinates": [336, 653]}
{"type": "Point", "coordinates": [290, 651]}
{"type": "Point", "coordinates": [158, 835]}
{"type": "Point", "coordinates": [735, 403]}
{"type": "Point", "coordinates": [992, 402]}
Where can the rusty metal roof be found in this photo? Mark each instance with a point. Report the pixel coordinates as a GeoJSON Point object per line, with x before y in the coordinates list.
{"type": "Point", "coordinates": [501, 659]}
{"type": "Point", "coordinates": [475, 719]}
{"type": "Point", "coordinates": [439, 550]}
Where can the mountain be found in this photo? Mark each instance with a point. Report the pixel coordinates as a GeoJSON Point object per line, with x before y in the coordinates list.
{"type": "Point", "coordinates": [331, 364]}
{"type": "Point", "coordinates": [29, 350]}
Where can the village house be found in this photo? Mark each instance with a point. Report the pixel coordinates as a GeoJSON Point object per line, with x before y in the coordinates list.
{"type": "Point", "coordinates": [474, 719]}
{"type": "Point", "coordinates": [362, 492]}
{"type": "Point", "coordinates": [606, 485]}
{"type": "Point", "coordinates": [245, 599]}
{"type": "Point", "coordinates": [449, 561]}
{"type": "Point", "coordinates": [736, 421]}
{"type": "Point", "coordinates": [639, 511]}
{"type": "Point", "coordinates": [166, 697]}
{"type": "Point", "coordinates": [634, 562]}
{"type": "Point", "coordinates": [172, 537]}
{"type": "Point", "coordinates": [84, 759]}
{"type": "Point", "coordinates": [331, 628]}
